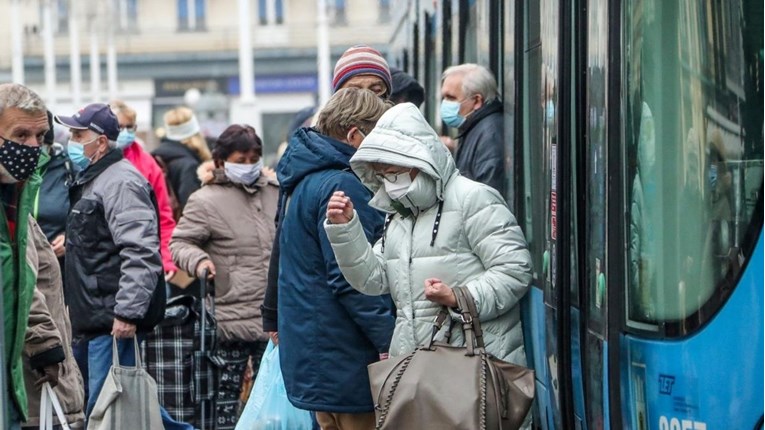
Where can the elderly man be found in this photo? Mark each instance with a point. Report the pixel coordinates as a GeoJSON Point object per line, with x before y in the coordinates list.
{"type": "Point", "coordinates": [23, 125]}
{"type": "Point", "coordinates": [114, 276]}
{"type": "Point", "coordinates": [469, 103]}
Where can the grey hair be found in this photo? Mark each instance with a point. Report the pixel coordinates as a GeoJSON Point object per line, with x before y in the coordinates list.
{"type": "Point", "coordinates": [476, 79]}
{"type": "Point", "coordinates": [112, 144]}
{"type": "Point", "coordinates": [20, 97]}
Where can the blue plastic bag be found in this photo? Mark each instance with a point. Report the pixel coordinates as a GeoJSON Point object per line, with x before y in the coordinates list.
{"type": "Point", "coordinates": [268, 407]}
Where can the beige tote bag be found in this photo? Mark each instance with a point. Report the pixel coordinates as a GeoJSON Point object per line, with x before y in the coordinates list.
{"type": "Point", "coordinates": [128, 399]}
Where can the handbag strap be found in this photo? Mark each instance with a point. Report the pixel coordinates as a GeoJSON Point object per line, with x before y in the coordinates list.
{"type": "Point", "coordinates": [470, 322]}
{"type": "Point", "coordinates": [46, 415]}
{"type": "Point", "coordinates": [53, 398]}
{"type": "Point", "coordinates": [116, 353]}
{"type": "Point", "coordinates": [438, 323]}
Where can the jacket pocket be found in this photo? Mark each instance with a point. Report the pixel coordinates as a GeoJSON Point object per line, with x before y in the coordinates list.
{"type": "Point", "coordinates": [83, 221]}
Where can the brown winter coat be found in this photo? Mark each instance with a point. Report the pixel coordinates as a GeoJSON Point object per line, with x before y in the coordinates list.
{"type": "Point", "coordinates": [233, 226]}
{"type": "Point", "coordinates": [49, 328]}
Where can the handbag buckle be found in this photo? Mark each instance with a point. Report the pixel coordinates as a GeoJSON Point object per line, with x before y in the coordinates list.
{"type": "Point", "coordinates": [466, 318]}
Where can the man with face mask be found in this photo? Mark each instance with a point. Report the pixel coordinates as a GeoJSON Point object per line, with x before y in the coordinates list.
{"type": "Point", "coordinates": [23, 125]}
{"type": "Point", "coordinates": [113, 271]}
{"type": "Point", "coordinates": [148, 167]}
{"type": "Point", "coordinates": [470, 103]}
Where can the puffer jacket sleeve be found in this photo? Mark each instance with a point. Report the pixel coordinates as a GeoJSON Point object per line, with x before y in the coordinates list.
{"type": "Point", "coordinates": [42, 341]}
{"type": "Point", "coordinates": [191, 233]}
{"type": "Point", "coordinates": [133, 222]}
{"type": "Point", "coordinates": [497, 240]}
{"type": "Point", "coordinates": [373, 314]}
{"type": "Point", "coordinates": [362, 264]}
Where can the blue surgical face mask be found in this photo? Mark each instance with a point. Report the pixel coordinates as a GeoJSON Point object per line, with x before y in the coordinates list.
{"type": "Point", "coordinates": [450, 113]}
{"type": "Point", "coordinates": [76, 151]}
{"type": "Point", "coordinates": [125, 138]}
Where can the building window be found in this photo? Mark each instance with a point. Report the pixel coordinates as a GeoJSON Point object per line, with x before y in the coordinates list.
{"type": "Point", "coordinates": [337, 12]}
{"type": "Point", "coordinates": [271, 12]}
{"type": "Point", "coordinates": [127, 14]}
{"type": "Point", "coordinates": [61, 16]}
{"type": "Point", "coordinates": [384, 16]}
{"type": "Point", "coordinates": [191, 15]}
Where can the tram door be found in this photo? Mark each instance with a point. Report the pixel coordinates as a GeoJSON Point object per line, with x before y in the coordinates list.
{"type": "Point", "coordinates": [594, 221]}
{"type": "Point", "coordinates": [546, 316]}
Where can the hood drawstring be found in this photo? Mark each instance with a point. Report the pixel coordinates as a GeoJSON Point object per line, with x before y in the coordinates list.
{"type": "Point", "coordinates": [388, 219]}
{"type": "Point", "coordinates": [437, 222]}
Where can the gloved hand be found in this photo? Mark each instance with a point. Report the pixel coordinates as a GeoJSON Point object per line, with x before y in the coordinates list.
{"type": "Point", "coordinates": [49, 374]}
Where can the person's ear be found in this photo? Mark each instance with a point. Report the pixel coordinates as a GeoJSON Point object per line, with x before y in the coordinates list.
{"type": "Point", "coordinates": [478, 101]}
{"type": "Point", "coordinates": [355, 136]}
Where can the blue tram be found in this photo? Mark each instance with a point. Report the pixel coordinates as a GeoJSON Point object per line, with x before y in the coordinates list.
{"type": "Point", "coordinates": [634, 146]}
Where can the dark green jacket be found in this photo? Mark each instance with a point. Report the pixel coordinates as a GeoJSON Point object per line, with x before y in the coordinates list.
{"type": "Point", "coordinates": [19, 277]}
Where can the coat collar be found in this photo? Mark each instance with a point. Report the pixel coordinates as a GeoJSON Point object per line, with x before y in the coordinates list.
{"type": "Point", "coordinates": [476, 117]}
{"type": "Point", "coordinates": [92, 171]}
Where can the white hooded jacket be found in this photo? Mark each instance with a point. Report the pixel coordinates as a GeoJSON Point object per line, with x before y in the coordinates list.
{"type": "Point", "coordinates": [477, 242]}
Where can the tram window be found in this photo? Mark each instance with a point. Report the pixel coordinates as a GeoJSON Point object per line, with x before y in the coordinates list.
{"type": "Point", "coordinates": [596, 182]}
{"type": "Point", "coordinates": [694, 170]}
{"type": "Point", "coordinates": [533, 157]}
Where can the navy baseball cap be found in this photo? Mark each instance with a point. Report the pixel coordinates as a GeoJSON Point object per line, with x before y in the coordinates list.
{"type": "Point", "coordinates": [95, 116]}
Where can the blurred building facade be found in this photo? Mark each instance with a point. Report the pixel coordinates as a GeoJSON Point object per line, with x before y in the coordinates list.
{"type": "Point", "coordinates": [172, 52]}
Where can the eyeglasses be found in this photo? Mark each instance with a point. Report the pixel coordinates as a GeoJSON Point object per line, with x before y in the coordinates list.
{"type": "Point", "coordinates": [392, 177]}
{"type": "Point", "coordinates": [128, 127]}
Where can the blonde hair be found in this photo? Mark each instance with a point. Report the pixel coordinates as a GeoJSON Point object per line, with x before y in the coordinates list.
{"type": "Point", "coordinates": [196, 142]}
{"type": "Point", "coordinates": [120, 108]}
{"type": "Point", "coordinates": [350, 107]}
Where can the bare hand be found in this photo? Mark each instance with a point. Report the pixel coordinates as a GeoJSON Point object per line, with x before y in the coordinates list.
{"type": "Point", "coordinates": [170, 275]}
{"type": "Point", "coordinates": [339, 208]}
{"type": "Point", "coordinates": [58, 245]}
{"type": "Point", "coordinates": [49, 374]}
{"type": "Point", "coordinates": [121, 329]}
{"type": "Point", "coordinates": [206, 265]}
{"type": "Point", "coordinates": [438, 292]}
{"type": "Point", "coordinates": [268, 172]}
{"type": "Point", "coordinates": [274, 335]}
{"type": "Point", "coordinates": [449, 143]}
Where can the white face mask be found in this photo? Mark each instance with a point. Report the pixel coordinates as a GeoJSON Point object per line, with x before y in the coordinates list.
{"type": "Point", "coordinates": [245, 174]}
{"type": "Point", "coordinates": [398, 189]}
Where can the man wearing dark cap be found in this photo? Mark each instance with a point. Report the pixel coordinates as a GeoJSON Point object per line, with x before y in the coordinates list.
{"type": "Point", "coordinates": [114, 275]}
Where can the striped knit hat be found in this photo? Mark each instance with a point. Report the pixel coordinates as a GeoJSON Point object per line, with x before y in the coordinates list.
{"type": "Point", "coordinates": [361, 60]}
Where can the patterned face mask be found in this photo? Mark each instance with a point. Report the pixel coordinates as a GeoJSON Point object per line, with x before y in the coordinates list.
{"type": "Point", "coordinates": [19, 160]}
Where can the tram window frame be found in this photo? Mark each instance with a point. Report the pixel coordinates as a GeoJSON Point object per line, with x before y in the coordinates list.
{"type": "Point", "coordinates": [682, 295]}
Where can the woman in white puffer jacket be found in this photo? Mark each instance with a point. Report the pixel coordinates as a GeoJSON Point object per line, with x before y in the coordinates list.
{"type": "Point", "coordinates": [442, 230]}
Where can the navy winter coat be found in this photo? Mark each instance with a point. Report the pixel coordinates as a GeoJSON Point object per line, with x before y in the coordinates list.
{"type": "Point", "coordinates": [481, 150]}
{"type": "Point", "coordinates": [328, 332]}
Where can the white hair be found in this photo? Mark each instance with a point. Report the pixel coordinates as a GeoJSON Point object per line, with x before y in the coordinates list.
{"type": "Point", "coordinates": [476, 79]}
{"type": "Point", "coordinates": [20, 97]}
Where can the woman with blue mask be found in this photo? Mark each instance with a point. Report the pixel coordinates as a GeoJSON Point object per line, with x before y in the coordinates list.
{"type": "Point", "coordinates": [227, 230]}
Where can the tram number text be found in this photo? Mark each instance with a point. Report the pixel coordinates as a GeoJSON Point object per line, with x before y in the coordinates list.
{"type": "Point", "coordinates": [677, 424]}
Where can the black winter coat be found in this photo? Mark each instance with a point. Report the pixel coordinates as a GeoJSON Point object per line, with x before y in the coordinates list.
{"type": "Point", "coordinates": [481, 151]}
{"type": "Point", "coordinates": [182, 164]}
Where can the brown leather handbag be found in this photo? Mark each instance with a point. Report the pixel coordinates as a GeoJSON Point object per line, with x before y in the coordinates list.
{"type": "Point", "coordinates": [439, 386]}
